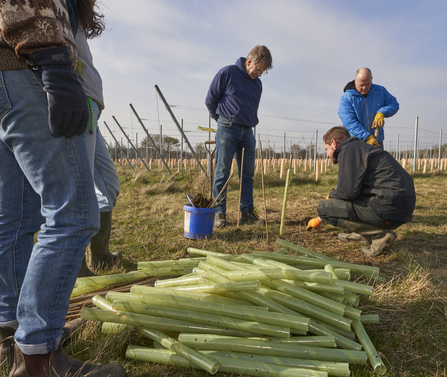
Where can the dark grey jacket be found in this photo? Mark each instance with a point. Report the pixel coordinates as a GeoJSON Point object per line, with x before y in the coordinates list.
{"type": "Point", "coordinates": [373, 175]}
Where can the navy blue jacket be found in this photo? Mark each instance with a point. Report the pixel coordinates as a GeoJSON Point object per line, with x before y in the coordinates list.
{"type": "Point", "coordinates": [234, 95]}
{"type": "Point", "coordinates": [373, 175]}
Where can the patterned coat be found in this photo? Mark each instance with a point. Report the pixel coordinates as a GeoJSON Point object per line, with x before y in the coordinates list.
{"type": "Point", "coordinates": [31, 25]}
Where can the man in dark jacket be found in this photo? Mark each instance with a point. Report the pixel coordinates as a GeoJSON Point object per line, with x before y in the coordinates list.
{"type": "Point", "coordinates": [233, 100]}
{"type": "Point", "coordinates": [374, 194]}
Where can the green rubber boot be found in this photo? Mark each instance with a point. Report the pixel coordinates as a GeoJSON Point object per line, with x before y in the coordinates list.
{"type": "Point", "coordinates": [100, 256]}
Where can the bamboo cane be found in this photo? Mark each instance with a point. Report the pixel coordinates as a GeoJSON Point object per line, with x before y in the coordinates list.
{"type": "Point", "coordinates": [263, 195]}
{"type": "Point", "coordinates": [213, 204]}
{"type": "Point", "coordinates": [240, 187]}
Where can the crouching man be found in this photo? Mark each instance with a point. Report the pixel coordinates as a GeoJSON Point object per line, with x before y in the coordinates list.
{"type": "Point", "coordinates": [374, 194]}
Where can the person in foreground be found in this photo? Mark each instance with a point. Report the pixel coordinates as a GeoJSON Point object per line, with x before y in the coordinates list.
{"type": "Point", "coordinates": [46, 184]}
{"type": "Point", "coordinates": [374, 194]}
{"type": "Point", "coordinates": [233, 101]}
{"type": "Point", "coordinates": [364, 107]}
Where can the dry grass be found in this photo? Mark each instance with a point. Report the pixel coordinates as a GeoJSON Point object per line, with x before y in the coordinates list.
{"type": "Point", "coordinates": [412, 304]}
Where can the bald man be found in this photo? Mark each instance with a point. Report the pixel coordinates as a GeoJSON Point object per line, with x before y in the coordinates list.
{"type": "Point", "coordinates": [364, 107]}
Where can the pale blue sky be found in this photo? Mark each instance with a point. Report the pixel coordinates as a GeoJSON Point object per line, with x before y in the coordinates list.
{"type": "Point", "coordinates": [316, 46]}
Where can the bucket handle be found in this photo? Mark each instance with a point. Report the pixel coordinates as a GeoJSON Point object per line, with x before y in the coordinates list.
{"type": "Point", "coordinates": [190, 200]}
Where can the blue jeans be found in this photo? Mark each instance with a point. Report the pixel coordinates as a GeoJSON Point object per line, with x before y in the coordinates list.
{"type": "Point", "coordinates": [46, 185]}
{"type": "Point", "coordinates": [107, 183]}
{"type": "Point", "coordinates": [230, 139]}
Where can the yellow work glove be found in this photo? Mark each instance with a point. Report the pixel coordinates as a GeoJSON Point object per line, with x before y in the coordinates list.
{"type": "Point", "coordinates": [379, 121]}
{"type": "Point", "coordinates": [327, 197]}
{"type": "Point", "coordinates": [313, 223]}
{"type": "Point", "coordinates": [372, 140]}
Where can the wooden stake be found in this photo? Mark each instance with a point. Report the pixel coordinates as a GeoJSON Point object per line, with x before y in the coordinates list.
{"type": "Point", "coordinates": [282, 170]}
{"type": "Point", "coordinates": [284, 204]}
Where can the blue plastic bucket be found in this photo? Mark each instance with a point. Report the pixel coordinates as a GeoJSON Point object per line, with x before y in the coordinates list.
{"type": "Point", "coordinates": [199, 222]}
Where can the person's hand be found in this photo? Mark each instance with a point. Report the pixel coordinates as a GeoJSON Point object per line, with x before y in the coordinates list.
{"type": "Point", "coordinates": [379, 121]}
{"type": "Point", "coordinates": [67, 103]}
{"type": "Point", "coordinates": [313, 223]}
{"type": "Point", "coordinates": [372, 140]}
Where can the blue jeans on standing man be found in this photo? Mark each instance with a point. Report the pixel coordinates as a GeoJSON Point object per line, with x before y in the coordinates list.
{"type": "Point", "coordinates": [231, 138]}
{"type": "Point", "coordinates": [45, 184]}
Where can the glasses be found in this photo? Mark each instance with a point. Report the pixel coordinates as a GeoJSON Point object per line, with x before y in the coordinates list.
{"type": "Point", "coordinates": [261, 72]}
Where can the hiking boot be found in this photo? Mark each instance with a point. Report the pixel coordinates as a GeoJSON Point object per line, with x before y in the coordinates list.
{"type": "Point", "coordinates": [6, 347]}
{"type": "Point", "coordinates": [220, 220]}
{"type": "Point", "coordinates": [251, 217]}
{"type": "Point", "coordinates": [379, 242]}
{"type": "Point", "coordinates": [100, 256]}
{"type": "Point", "coordinates": [346, 237]}
{"type": "Point", "coordinates": [57, 364]}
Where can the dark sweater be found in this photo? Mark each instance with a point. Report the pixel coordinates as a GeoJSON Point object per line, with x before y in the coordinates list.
{"type": "Point", "coordinates": [234, 95]}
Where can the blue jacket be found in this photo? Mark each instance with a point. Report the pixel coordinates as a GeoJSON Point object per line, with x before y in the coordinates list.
{"type": "Point", "coordinates": [357, 112]}
{"type": "Point", "coordinates": [234, 95]}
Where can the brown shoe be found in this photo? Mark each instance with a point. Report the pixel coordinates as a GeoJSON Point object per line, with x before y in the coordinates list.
{"type": "Point", "coordinates": [57, 364]}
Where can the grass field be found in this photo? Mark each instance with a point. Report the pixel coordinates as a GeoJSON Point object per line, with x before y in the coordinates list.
{"type": "Point", "coordinates": [412, 335]}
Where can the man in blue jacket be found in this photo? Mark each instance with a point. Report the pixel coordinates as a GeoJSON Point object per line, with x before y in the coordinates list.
{"type": "Point", "coordinates": [374, 194]}
{"type": "Point", "coordinates": [233, 100]}
{"type": "Point", "coordinates": [364, 106]}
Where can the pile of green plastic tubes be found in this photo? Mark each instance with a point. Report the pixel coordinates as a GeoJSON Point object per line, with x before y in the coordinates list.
{"type": "Point", "coordinates": [292, 312]}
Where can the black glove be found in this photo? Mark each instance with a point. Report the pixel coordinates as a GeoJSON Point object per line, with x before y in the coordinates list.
{"type": "Point", "coordinates": [67, 103]}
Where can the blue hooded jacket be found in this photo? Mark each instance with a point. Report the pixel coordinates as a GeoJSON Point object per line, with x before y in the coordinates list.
{"type": "Point", "coordinates": [234, 95]}
{"type": "Point", "coordinates": [357, 112]}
